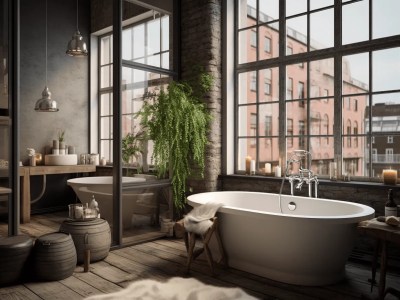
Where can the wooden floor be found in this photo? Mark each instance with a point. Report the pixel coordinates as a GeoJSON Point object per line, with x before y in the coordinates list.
{"type": "Point", "coordinates": [166, 258]}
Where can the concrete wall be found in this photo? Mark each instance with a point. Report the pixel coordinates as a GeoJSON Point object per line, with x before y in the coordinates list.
{"type": "Point", "coordinates": [201, 45]}
{"type": "Point", "coordinates": [67, 76]}
{"type": "Point", "coordinates": [67, 80]}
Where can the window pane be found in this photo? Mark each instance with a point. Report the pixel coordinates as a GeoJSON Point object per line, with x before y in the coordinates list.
{"type": "Point", "coordinates": [294, 7]}
{"type": "Point", "coordinates": [321, 76]}
{"type": "Point", "coordinates": [247, 125]}
{"type": "Point", "coordinates": [105, 77]}
{"type": "Point", "coordinates": [105, 150]}
{"type": "Point", "coordinates": [355, 73]}
{"type": "Point", "coordinates": [153, 36]}
{"type": "Point", "coordinates": [355, 22]}
{"type": "Point", "coordinates": [296, 30]}
{"type": "Point", "coordinates": [386, 113]}
{"type": "Point", "coordinates": [128, 124]}
{"type": "Point", "coordinates": [354, 157]}
{"type": "Point", "coordinates": [386, 73]}
{"type": "Point", "coordinates": [315, 4]}
{"type": "Point", "coordinates": [321, 29]}
{"type": "Point", "coordinates": [105, 123]}
{"type": "Point", "coordinates": [105, 50]}
{"type": "Point", "coordinates": [385, 18]}
{"type": "Point", "coordinates": [321, 149]}
{"type": "Point", "coordinates": [384, 155]}
{"type": "Point", "coordinates": [268, 119]}
{"type": "Point", "coordinates": [268, 85]}
{"type": "Point", "coordinates": [354, 113]}
{"type": "Point", "coordinates": [138, 42]}
{"type": "Point", "coordinates": [247, 45]}
{"type": "Point", "coordinates": [268, 39]}
{"type": "Point", "coordinates": [269, 10]}
{"type": "Point", "coordinates": [127, 44]}
{"type": "Point", "coordinates": [247, 87]}
{"type": "Point", "coordinates": [245, 148]}
{"type": "Point", "coordinates": [165, 33]}
{"type": "Point", "coordinates": [247, 10]}
{"type": "Point", "coordinates": [268, 149]}
{"type": "Point", "coordinates": [105, 104]}
{"type": "Point", "coordinates": [296, 85]}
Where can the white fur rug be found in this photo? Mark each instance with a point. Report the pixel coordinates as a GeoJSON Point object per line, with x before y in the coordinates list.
{"type": "Point", "coordinates": [176, 288]}
{"type": "Point", "coordinates": [198, 219]}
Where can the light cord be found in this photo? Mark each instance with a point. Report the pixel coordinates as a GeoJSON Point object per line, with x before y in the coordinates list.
{"type": "Point", "coordinates": [46, 43]}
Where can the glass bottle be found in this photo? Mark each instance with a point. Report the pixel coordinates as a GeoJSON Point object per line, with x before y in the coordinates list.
{"type": "Point", "coordinates": [390, 206]}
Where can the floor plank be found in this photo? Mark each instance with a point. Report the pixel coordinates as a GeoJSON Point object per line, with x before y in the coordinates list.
{"type": "Point", "coordinates": [164, 258]}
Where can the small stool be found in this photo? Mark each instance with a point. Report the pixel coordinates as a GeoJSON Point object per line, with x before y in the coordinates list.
{"type": "Point", "coordinates": [190, 242]}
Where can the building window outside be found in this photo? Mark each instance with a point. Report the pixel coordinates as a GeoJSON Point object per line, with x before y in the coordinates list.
{"type": "Point", "coordinates": [362, 86]}
{"type": "Point", "coordinates": [390, 139]}
{"type": "Point", "coordinates": [253, 81]}
{"type": "Point", "coordinates": [267, 44]}
{"type": "Point", "coordinates": [302, 132]}
{"type": "Point", "coordinates": [289, 89]}
{"type": "Point", "coordinates": [253, 129]}
{"type": "Point", "coordinates": [389, 155]}
{"type": "Point", "coordinates": [253, 38]}
{"type": "Point", "coordinates": [290, 133]}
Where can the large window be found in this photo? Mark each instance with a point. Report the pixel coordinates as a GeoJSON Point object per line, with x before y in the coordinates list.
{"type": "Point", "coordinates": [336, 86]}
{"type": "Point", "coordinates": [146, 68]}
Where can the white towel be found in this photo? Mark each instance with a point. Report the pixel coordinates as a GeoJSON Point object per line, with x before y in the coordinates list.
{"type": "Point", "coordinates": [198, 219]}
{"type": "Point", "coordinates": [176, 288]}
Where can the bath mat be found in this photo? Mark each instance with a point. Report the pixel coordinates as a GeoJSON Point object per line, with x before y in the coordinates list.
{"type": "Point", "coordinates": [176, 288]}
{"type": "Point", "coordinates": [198, 219]}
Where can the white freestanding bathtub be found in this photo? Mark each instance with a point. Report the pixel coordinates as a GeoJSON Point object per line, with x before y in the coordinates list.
{"type": "Point", "coordinates": [306, 246]}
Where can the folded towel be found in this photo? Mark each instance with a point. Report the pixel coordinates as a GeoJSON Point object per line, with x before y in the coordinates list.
{"type": "Point", "coordinates": [198, 219]}
{"type": "Point", "coordinates": [176, 288]}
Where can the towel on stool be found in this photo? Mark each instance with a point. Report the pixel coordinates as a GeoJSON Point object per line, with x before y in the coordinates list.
{"type": "Point", "coordinates": [198, 219]}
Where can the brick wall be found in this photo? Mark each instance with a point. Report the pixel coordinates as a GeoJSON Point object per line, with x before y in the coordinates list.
{"type": "Point", "coordinates": [201, 45]}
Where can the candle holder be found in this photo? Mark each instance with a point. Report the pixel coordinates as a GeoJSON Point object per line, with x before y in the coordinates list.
{"type": "Point", "coordinates": [389, 176]}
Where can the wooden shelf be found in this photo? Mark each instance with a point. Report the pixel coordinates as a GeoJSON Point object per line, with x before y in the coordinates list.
{"type": "Point", "coordinates": [4, 191]}
{"type": "Point", "coordinates": [45, 170]}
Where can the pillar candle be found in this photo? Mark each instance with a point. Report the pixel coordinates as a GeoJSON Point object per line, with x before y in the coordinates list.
{"type": "Point", "coordinates": [267, 168]}
{"type": "Point", "coordinates": [248, 160]}
{"type": "Point", "coordinates": [278, 171]}
{"type": "Point", "coordinates": [389, 176]}
{"type": "Point", "coordinates": [56, 144]}
{"type": "Point", "coordinates": [252, 167]}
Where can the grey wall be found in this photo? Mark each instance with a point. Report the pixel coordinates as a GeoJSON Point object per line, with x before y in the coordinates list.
{"type": "Point", "coordinates": [67, 76]}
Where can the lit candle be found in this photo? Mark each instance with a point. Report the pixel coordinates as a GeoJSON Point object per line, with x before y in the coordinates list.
{"type": "Point", "coordinates": [389, 176]}
{"type": "Point", "coordinates": [38, 158]}
{"type": "Point", "coordinates": [252, 167]}
{"type": "Point", "coordinates": [278, 171]}
{"type": "Point", "coordinates": [267, 168]}
{"type": "Point", "coordinates": [248, 160]}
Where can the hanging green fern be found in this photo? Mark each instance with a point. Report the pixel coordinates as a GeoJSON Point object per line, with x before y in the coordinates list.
{"type": "Point", "coordinates": [178, 123]}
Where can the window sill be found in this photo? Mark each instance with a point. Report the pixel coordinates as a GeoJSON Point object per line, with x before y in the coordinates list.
{"type": "Point", "coordinates": [327, 182]}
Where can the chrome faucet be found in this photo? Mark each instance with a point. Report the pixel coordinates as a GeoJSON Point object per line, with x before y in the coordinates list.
{"type": "Point", "coordinates": [304, 175]}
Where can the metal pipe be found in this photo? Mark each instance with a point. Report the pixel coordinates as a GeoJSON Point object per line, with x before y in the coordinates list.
{"type": "Point", "coordinates": [41, 192]}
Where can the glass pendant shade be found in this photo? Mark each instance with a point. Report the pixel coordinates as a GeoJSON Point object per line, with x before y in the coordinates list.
{"type": "Point", "coordinates": [46, 104]}
{"type": "Point", "coordinates": [76, 46]}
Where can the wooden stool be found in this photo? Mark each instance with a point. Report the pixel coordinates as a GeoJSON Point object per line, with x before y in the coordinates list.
{"type": "Point", "coordinates": [190, 242]}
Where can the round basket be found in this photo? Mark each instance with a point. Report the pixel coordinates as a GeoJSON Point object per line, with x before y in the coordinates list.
{"type": "Point", "coordinates": [54, 257]}
{"type": "Point", "coordinates": [93, 235]}
{"type": "Point", "coordinates": [14, 253]}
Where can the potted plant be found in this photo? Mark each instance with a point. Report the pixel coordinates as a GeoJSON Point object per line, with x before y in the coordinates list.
{"type": "Point", "coordinates": [61, 140]}
{"type": "Point", "coordinates": [132, 147]}
{"type": "Point", "coordinates": [177, 121]}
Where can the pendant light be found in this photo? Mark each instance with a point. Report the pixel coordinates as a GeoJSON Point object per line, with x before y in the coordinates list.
{"type": "Point", "coordinates": [76, 46]}
{"type": "Point", "coordinates": [46, 104]}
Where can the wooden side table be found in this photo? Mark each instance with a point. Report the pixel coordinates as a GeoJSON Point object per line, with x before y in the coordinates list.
{"type": "Point", "coordinates": [383, 233]}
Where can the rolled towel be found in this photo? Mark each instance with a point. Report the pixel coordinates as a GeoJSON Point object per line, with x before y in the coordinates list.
{"type": "Point", "coordinates": [393, 221]}
{"type": "Point", "coordinates": [198, 219]}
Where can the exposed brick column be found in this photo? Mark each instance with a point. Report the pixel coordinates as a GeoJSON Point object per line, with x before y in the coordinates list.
{"type": "Point", "coordinates": [201, 45]}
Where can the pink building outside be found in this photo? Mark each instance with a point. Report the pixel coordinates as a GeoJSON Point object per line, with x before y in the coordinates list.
{"type": "Point", "coordinates": [321, 109]}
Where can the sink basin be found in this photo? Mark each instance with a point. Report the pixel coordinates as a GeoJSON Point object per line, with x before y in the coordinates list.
{"type": "Point", "coordinates": [61, 160]}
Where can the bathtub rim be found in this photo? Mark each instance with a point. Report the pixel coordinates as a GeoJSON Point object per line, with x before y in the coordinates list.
{"type": "Point", "coordinates": [366, 213]}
